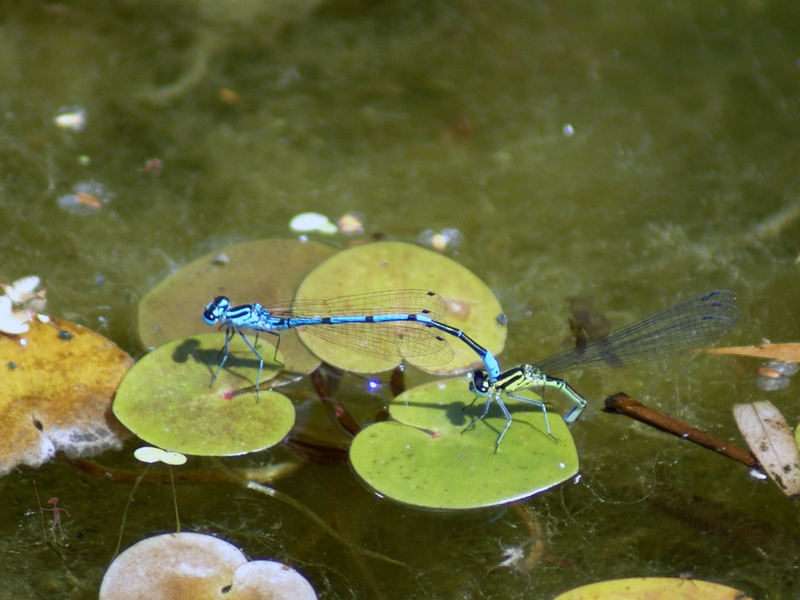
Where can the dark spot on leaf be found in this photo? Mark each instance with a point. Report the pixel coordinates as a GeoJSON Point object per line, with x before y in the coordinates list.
{"type": "Point", "coordinates": [12, 364]}
{"type": "Point", "coordinates": [226, 589]}
{"type": "Point", "coordinates": [65, 335]}
{"type": "Point", "coordinates": [38, 424]}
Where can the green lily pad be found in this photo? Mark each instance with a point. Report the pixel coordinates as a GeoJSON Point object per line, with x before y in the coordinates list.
{"type": "Point", "coordinates": [424, 459]}
{"type": "Point", "coordinates": [264, 271]}
{"type": "Point", "coordinates": [469, 305]}
{"type": "Point", "coordinates": [165, 399]}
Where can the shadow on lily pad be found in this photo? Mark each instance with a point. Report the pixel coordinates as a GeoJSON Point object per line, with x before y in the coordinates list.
{"type": "Point", "coordinates": [264, 271]}
{"type": "Point", "coordinates": [468, 304]}
{"type": "Point", "coordinates": [195, 566]}
{"type": "Point", "coordinates": [166, 399]}
{"type": "Point", "coordinates": [55, 393]}
{"type": "Point", "coordinates": [423, 458]}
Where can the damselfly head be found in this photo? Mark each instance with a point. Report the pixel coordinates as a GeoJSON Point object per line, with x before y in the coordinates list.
{"type": "Point", "coordinates": [216, 309]}
{"type": "Point", "coordinates": [480, 382]}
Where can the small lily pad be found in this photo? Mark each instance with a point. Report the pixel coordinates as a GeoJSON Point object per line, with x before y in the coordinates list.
{"type": "Point", "coordinates": [195, 566]}
{"type": "Point", "coordinates": [653, 588]}
{"type": "Point", "coordinates": [424, 459]}
{"type": "Point", "coordinates": [469, 304]}
{"type": "Point", "coordinates": [55, 393]}
{"type": "Point", "coordinates": [151, 454]}
{"type": "Point", "coordinates": [166, 399]}
{"type": "Point", "coordinates": [264, 271]}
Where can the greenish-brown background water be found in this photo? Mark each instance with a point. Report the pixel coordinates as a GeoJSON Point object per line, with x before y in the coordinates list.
{"type": "Point", "coordinates": [428, 115]}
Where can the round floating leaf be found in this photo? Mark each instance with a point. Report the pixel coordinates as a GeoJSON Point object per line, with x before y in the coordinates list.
{"type": "Point", "coordinates": [166, 400]}
{"type": "Point", "coordinates": [653, 588]}
{"type": "Point", "coordinates": [381, 266]}
{"type": "Point", "coordinates": [264, 271]}
{"type": "Point", "coordinates": [55, 393]}
{"type": "Point", "coordinates": [151, 454]}
{"type": "Point", "coordinates": [194, 566]}
{"type": "Point", "coordinates": [424, 459]}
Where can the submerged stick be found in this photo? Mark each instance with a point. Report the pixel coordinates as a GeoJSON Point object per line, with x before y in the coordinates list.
{"type": "Point", "coordinates": [621, 403]}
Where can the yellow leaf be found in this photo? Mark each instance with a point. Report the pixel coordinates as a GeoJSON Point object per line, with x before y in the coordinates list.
{"type": "Point", "coordinates": [55, 393]}
{"type": "Point", "coordinates": [653, 588]}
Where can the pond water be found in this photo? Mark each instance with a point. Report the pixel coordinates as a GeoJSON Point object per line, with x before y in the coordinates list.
{"type": "Point", "coordinates": [633, 154]}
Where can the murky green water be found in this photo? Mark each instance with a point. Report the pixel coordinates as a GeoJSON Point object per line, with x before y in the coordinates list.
{"type": "Point", "coordinates": [631, 153]}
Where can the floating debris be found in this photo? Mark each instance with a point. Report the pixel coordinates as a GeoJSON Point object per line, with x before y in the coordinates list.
{"type": "Point", "coordinates": [227, 96]}
{"type": "Point", "coordinates": [79, 204]}
{"type": "Point", "coordinates": [24, 289]}
{"type": "Point", "coordinates": [775, 375]}
{"type": "Point", "coordinates": [311, 221]}
{"type": "Point", "coordinates": [221, 259]}
{"type": "Point", "coordinates": [446, 239]}
{"type": "Point", "coordinates": [152, 166]}
{"type": "Point", "coordinates": [73, 118]}
{"type": "Point", "coordinates": [13, 322]}
{"type": "Point", "coordinates": [22, 301]}
{"type": "Point", "coordinates": [87, 198]}
{"type": "Point", "coordinates": [351, 223]}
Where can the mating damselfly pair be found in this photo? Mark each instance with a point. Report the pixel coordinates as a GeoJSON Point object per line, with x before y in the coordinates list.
{"type": "Point", "coordinates": [407, 323]}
